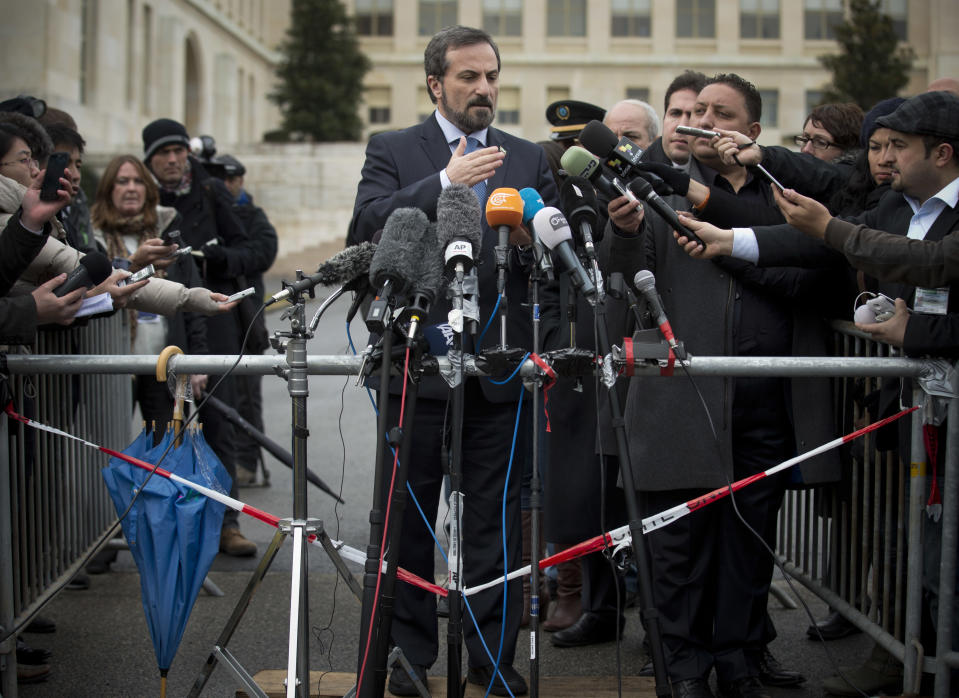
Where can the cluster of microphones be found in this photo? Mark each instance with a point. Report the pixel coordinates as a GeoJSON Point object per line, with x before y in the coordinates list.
{"type": "Point", "coordinates": [407, 265]}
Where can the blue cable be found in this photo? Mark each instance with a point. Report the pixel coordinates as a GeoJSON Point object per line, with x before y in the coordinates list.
{"type": "Point", "coordinates": [513, 374]}
{"type": "Point", "coordinates": [509, 469]}
{"type": "Point", "coordinates": [479, 342]}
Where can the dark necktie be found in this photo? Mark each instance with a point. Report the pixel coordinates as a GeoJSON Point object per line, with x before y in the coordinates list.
{"type": "Point", "coordinates": [480, 187]}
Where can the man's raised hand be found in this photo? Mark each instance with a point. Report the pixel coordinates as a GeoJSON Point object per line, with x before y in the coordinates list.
{"type": "Point", "coordinates": [470, 168]}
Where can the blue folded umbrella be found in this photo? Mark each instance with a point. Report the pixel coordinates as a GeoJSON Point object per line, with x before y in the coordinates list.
{"type": "Point", "coordinates": [173, 532]}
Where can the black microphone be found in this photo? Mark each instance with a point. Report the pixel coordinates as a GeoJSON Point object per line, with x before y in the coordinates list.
{"type": "Point", "coordinates": [347, 268]}
{"type": "Point", "coordinates": [92, 270]}
{"type": "Point", "coordinates": [621, 155]}
{"type": "Point", "coordinates": [459, 233]}
{"type": "Point", "coordinates": [645, 283]}
{"type": "Point", "coordinates": [579, 161]}
{"type": "Point", "coordinates": [429, 276]}
{"type": "Point", "coordinates": [579, 203]}
{"type": "Point", "coordinates": [550, 226]}
{"type": "Point", "coordinates": [578, 200]}
{"type": "Point", "coordinates": [394, 264]}
{"type": "Point", "coordinates": [644, 190]}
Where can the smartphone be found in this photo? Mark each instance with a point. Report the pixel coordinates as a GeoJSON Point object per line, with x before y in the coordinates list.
{"type": "Point", "coordinates": [171, 237]}
{"type": "Point", "coordinates": [769, 176]}
{"type": "Point", "coordinates": [691, 131]}
{"type": "Point", "coordinates": [240, 294]}
{"type": "Point", "coordinates": [56, 166]}
{"type": "Point", "coordinates": [179, 252]}
{"type": "Point", "coordinates": [144, 273]}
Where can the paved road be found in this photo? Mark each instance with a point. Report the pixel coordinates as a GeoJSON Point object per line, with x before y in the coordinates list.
{"type": "Point", "coordinates": [102, 647]}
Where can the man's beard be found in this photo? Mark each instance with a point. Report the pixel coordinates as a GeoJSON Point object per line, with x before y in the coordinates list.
{"type": "Point", "coordinates": [467, 121]}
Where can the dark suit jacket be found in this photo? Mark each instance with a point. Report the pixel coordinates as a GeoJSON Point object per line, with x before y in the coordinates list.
{"type": "Point", "coordinates": [402, 170]}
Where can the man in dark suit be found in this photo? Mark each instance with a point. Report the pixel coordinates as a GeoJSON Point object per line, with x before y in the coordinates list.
{"type": "Point", "coordinates": [711, 574]}
{"type": "Point", "coordinates": [411, 167]}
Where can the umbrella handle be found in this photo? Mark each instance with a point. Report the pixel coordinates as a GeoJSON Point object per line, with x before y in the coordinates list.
{"type": "Point", "coordinates": [161, 374]}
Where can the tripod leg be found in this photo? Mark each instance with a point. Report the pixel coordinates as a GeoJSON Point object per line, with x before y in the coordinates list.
{"type": "Point", "coordinates": [238, 611]}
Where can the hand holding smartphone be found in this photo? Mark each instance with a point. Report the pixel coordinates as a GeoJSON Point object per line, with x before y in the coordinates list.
{"type": "Point", "coordinates": [144, 273]}
{"type": "Point", "coordinates": [56, 166]}
{"type": "Point", "coordinates": [239, 295]}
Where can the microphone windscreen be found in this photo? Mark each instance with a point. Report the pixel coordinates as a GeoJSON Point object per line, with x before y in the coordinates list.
{"type": "Point", "coordinates": [430, 273]}
{"type": "Point", "coordinates": [532, 203]}
{"type": "Point", "coordinates": [98, 267]}
{"type": "Point", "coordinates": [550, 227]}
{"type": "Point", "coordinates": [644, 281]}
{"type": "Point", "coordinates": [578, 161]}
{"type": "Point", "coordinates": [397, 255]}
{"type": "Point", "coordinates": [598, 138]}
{"type": "Point", "coordinates": [504, 207]}
{"type": "Point", "coordinates": [346, 265]}
{"type": "Point", "coordinates": [458, 216]}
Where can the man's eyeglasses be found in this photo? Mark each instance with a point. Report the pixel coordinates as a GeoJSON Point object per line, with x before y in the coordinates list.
{"type": "Point", "coordinates": [26, 162]}
{"type": "Point", "coordinates": [818, 142]}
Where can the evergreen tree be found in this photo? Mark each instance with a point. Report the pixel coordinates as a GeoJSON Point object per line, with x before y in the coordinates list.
{"type": "Point", "coordinates": [321, 75]}
{"type": "Point", "coordinates": [869, 67]}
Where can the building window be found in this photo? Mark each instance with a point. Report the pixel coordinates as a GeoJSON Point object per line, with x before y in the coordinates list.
{"type": "Point", "coordinates": [696, 19]}
{"type": "Point", "coordinates": [436, 14]}
{"type": "Point", "coordinates": [821, 18]}
{"type": "Point", "coordinates": [770, 113]}
{"type": "Point", "coordinates": [146, 84]}
{"type": "Point", "coordinates": [813, 100]}
{"type": "Point", "coordinates": [503, 17]}
{"type": "Point", "coordinates": [378, 101]}
{"type": "Point", "coordinates": [566, 18]}
{"type": "Point", "coordinates": [640, 93]}
{"type": "Point", "coordinates": [896, 9]}
{"type": "Point", "coordinates": [631, 18]}
{"type": "Point", "coordinates": [759, 19]}
{"type": "Point", "coordinates": [556, 94]}
{"type": "Point", "coordinates": [88, 49]}
{"type": "Point", "coordinates": [507, 105]}
{"type": "Point", "coordinates": [374, 17]}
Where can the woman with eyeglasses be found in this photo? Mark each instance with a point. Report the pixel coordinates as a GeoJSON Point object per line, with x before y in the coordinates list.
{"type": "Point", "coordinates": [831, 132]}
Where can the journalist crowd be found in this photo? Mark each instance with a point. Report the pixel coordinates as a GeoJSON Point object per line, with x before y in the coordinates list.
{"type": "Point", "coordinates": [176, 217]}
{"type": "Point", "coordinates": [770, 244]}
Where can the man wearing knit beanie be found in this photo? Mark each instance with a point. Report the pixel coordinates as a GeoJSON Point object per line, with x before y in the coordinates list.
{"type": "Point", "coordinates": [209, 225]}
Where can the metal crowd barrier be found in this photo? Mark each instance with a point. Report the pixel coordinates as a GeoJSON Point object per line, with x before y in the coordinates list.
{"type": "Point", "coordinates": [857, 545]}
{"type": "Point", "coordinates": [53, 504]}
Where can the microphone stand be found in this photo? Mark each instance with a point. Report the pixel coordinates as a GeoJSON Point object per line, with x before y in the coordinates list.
{"type": "Point", "coordinates": [502, 264]}
{"type": "Point", "coordinates": [648, 610]}
{"type": "Point", "coordinates": [300, 527]}
{"type": "Point", "coordinates": [400, 438]}
{"type": "Point", "coordinates": [374, 684]}
{"type": "Point", "coordinates": [535, 501]}
{"type": "Point", "coordinates": [454, 627]}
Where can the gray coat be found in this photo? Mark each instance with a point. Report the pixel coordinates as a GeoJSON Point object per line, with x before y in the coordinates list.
{"type": "Point", "coordinates": [670, 442]}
